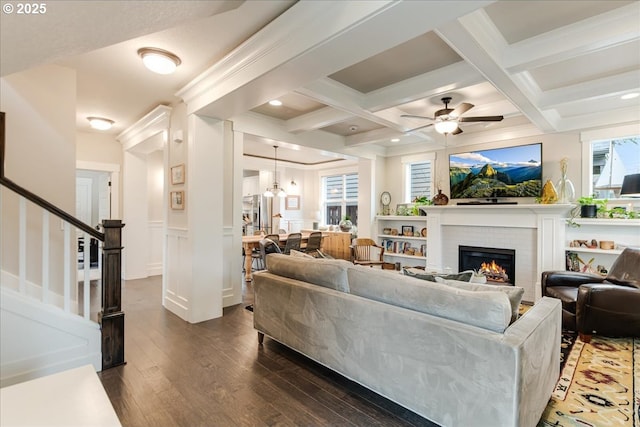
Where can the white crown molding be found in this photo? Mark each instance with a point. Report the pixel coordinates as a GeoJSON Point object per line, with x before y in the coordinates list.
{"type": "Point", "coordinates": [156, 121]}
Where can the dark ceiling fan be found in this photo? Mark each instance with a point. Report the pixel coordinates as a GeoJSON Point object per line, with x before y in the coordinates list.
{"type": "Point", "coordinates": [446, 120]}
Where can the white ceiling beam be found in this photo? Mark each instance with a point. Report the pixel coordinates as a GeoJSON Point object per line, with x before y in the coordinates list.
{"type": "Point", "coordinates": [329, 36]}
{"type": "Point", "coordinates": [475, 38]}
{"type": "Point", "coordinates": [436, 82]}
{"type": "Point", "coordinates": [600, 118]}
{"type": "Point", "coordinates": [590, 35]}
{"type": "Point", "coordinates": [316, 119]}
{"type": "Point", "coordinates": [591, 90]}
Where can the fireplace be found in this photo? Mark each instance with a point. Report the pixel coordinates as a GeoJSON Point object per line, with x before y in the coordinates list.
{"type": "Point", "coordinates": [498, 265]}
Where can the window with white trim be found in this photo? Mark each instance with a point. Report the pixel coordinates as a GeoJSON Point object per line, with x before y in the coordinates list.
{"type": "Point", "coordinates": [418, 180]}
{"type": "Point", "coordinates": [340, 198]}
{"type": "Point", "coordinates": [610, 160]}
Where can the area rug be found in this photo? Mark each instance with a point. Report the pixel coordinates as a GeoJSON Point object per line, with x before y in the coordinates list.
{"type": "Point", "coordinates": [599, 386]}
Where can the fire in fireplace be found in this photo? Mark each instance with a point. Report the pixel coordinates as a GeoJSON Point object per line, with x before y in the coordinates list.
{"type": "Point", "coordinates": [498, 265]}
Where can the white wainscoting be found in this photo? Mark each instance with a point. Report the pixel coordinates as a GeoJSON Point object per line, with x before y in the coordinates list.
{"type": "Point", "coordinates": [177, 277]}
{"type": "Point", "coordinates": [154, 263]}
{"type": "Point", "coordinates": [232, 276]}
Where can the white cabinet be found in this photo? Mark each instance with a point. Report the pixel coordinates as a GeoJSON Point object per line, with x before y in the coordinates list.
{"type": "Point", "coordinates": [404, 239]}
{"type": "Point", "coordinates": [622, 232]}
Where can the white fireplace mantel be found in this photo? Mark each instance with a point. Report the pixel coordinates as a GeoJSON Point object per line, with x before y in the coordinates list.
{"type": "Point", "coordinates": [548, 221]}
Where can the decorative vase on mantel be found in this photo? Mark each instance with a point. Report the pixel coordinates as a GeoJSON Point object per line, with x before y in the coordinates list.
{"type": "Point", "coordinates": [566, 191]}
{"type": "Point", "coordinates": [440, 199]}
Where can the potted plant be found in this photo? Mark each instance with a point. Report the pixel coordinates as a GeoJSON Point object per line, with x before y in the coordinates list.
{"type": "Point", "coordinates": [589, 206]}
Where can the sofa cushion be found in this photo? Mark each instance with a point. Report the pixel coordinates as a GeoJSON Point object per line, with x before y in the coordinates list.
{"type": "Point", "coordinates": [299, 254]}
{"type": "Point", "coordinates": [330, 273]}
{"type": "Point", "coordinates": [489, 310]}
{"type": "Point", "coordinates": [514, 293]}
{"type": "Point", "coordinates": [421, 274]}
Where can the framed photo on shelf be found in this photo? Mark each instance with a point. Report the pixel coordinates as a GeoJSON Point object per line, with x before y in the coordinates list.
{"type": "Point", "coordinates": [407, 230]}
{"type": "Point", "coordinates": [177, 200]}
{"type": "Point", "coordinates": [177, 174]}
{"type": "Point", "coordinates": [292, 203]}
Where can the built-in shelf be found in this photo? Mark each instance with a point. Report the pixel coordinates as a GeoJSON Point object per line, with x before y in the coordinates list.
{"type": "Point", "coordinates": [399, 236]}
{"type": "Point", "coordinates": [399, 255]}
{"type": "Point", "coordinates": [608, 222]}
{"type": "Point", "coordinates": [593, 251]}
{"type": "Point", "coordinates": [422, 218]}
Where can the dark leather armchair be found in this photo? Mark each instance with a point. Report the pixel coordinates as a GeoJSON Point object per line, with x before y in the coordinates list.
{"type": "Point", "coordinates": [593, 304]}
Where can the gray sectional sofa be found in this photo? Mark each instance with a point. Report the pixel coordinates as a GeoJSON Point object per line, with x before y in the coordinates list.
{"type": "Point", "coordinates": [450, 352]}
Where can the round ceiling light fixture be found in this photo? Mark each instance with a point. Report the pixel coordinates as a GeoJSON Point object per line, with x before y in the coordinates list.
{"type": "Point", "coordinates": [446, 126]}
{"type": "Point", "coordinates": [100, 123]}
{"type": "Point", "coordinates": [275, 102]}
{"type": "Point", "coordinates": [158, 60]}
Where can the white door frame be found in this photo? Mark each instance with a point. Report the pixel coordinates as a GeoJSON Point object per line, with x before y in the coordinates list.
{"type": "Point", "coordinates": [114, 170]}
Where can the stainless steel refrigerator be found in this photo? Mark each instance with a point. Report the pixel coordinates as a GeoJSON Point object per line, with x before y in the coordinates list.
{"type": "Point", "coordinates": [257, 210]}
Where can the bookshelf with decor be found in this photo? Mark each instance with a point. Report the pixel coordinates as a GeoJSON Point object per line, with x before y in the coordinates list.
{"type": "Point", "coordinates": [598, 242]}
{"type": "Point", "coordinates": [404, 238]}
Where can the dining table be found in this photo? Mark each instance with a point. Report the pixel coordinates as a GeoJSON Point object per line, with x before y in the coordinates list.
{"type": "Point", "coordinates": [249, 243]}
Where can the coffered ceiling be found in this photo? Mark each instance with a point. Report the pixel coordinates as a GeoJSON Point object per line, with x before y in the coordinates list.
{"type": "Point", "coordinates": [546, 66]}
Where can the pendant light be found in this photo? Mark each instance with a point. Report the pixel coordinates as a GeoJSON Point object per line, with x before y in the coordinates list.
{"type": "Point", "coordinates": [275, 190]}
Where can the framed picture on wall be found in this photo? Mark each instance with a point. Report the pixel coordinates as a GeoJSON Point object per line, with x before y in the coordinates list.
{"type": "Point", "coordinates": [177, 174]}
{"type": "Point", "coordinates": [292, 203]}
{"type": "Point", "coordinates": [177, 200]}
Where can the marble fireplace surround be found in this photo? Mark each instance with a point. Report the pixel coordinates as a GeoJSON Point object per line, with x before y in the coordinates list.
{"type": "Point", "coordinates": [535, 231]}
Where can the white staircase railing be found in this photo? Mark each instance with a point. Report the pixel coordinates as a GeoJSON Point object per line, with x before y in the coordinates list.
{"type": "Point", "coordinates": [76, 282]}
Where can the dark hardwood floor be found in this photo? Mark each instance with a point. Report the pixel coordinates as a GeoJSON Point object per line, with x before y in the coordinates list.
{"type": "Point", "coordinates": [215, 374]}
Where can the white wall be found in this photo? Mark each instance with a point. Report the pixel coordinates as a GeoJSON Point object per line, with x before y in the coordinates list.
{"type": "Point", "coordinates": [40, 156]}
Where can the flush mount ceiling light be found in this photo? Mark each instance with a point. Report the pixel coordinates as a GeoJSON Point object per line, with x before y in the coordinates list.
{"type": "Point", "coordinates": [446, 126]}
{"type": "Point", "coordinates": [158, 60]}
{"type": "Point", "coordinates": [275, 102]}
{"type": "Point", "coordinates": [100, 123]}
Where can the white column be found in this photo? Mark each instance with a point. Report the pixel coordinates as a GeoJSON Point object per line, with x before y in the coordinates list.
{"type": "Point", "coordinates": [135, 216]}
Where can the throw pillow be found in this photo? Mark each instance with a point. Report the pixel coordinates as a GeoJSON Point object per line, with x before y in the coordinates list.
{"type": "Point", "coordinates": [295, 253]}
{"type": "Point", "coordinates": [465, 276]}
{"type": "Point", "coordinates": [514, 293]}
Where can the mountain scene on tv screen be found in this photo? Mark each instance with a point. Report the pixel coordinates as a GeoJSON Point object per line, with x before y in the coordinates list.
{"type": "Point", "coordinates": [474, 175]}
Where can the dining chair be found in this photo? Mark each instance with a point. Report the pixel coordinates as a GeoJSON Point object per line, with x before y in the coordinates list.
{"type": "Point", "coordinates": [256, 255]}
{"type": "Point", "coordinates": [293, 242]}
{"type": "Point", "coordinates": [268, 246]}
{"type": "Point", "coordinates": [313, 243]}
{"type": "Point", "coordinates": [365, 251]}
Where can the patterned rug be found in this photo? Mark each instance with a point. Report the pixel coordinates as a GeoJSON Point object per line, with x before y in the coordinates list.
{"type": "Point", "coordinates": [599, 386]}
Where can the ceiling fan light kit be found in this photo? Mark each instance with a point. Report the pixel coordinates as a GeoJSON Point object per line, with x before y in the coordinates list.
{"type": "Point", "coordinates": [158, 60]}
{"type": "Point", "coordinates": [446, 120]}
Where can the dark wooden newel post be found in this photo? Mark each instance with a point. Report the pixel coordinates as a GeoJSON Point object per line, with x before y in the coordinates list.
{"type": "Point", "coordinates": [112, 317]}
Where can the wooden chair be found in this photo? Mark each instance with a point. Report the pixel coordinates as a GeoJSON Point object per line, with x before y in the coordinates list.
{"type": "Point", "coordinates": [313, 243]}
{"type": "Point", "coordinates": [293, 243]}
{"type": "Point", "coordinates": [365, 251]}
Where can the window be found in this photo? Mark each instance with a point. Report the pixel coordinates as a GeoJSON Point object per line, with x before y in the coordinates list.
{"type": "Point", "coordinates": [419, 180]}
{"type": "Point", "coordinates": [340, 198]}
{"type": "Point", "coordinates": [610, 160]}
{"type": "Point", "coordinates": [418, 176]}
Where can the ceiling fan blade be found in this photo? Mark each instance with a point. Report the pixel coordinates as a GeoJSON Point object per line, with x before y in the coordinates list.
{"type": "Point", "coordinates": [418, 128]}
{"type": "Point", "coordinates": [481, 119]}
{"type": "Point", "coordinates": [461, 109]}
{"type": "Point", "coordinates": [457, 131]}
{"type": "Point", "coordinates": [411, 116]}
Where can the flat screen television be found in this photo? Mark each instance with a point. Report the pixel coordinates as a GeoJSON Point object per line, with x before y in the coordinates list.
{"type": "Point", "coordinates": [497, 173]}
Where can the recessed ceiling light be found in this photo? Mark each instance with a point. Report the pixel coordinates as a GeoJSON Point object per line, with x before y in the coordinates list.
{"type": "Point", "coordinates": [395, 140]}
{"type": "Point", "coordinates": [100, 123]}
{"type": "Point", "coordinates": [158, 60]}
{"type": "Point", "coordinates": [275, 102]}
{"type": "Point", "coordinates": [630, 95]}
